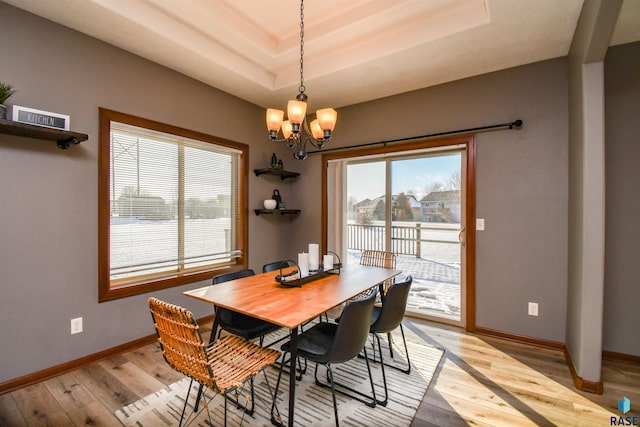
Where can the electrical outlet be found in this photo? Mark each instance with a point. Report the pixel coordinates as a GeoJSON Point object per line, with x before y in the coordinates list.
{"type": "Point", "coordinates": [76, 325]}
{"type": "Point", "coordinates": [479, 224]}
{"type": "Point", "coordinates": [533, 309]}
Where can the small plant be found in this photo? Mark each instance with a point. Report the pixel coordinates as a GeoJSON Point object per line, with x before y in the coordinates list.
{"type": "Point", "coordinates": [6, 90]}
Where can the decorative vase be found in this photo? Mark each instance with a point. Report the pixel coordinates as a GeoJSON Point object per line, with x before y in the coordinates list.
{"type": "Point", "coordinates": [276, 196]}
{"type": "Point", "coordinates": [270, 204]}
{"type": "Point", "coordinates": [3, 112]}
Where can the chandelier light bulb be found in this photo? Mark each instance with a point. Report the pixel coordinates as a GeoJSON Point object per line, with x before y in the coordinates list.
{"type": "Point", "coordinates": [287, 129]}
{"type": "Point", "coordinates": [327, 118]}
{"type": "Point", "coordinates": [296, 111]}
{"type": "Point", "coordinates": [274, 121]}
{"type": "Point", "coordinates": [316, 130]}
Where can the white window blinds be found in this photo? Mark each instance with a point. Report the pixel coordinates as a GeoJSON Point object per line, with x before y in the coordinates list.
{"type": "Point", "coordinates": [173, 203]}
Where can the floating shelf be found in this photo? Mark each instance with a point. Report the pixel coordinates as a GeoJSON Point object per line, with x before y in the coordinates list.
{"type": "Point", "coordinates": [64, 138]}
{"type": "Point", "coordinates": [274, 211]}
{"type": "Point", "coordinates": [276, 172]}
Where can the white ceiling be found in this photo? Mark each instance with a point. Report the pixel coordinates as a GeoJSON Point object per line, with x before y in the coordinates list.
{"type": "Point", "coordinates": [354, 50]}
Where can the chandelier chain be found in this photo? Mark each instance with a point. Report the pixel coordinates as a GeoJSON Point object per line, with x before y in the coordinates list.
{"type": "Point", "coordinates": [301, 89]}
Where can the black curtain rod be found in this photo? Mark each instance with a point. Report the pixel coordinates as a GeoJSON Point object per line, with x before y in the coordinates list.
{"type": "Point", "coordinates": [510, 125]}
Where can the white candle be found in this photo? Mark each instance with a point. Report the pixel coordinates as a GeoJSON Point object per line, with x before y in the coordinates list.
{"type": "Point", "coordinates": [314, 256]}
{"type": "Point", "coordinates": [328, 262]}
{"type": "Point", "coordinates": [303, 264]}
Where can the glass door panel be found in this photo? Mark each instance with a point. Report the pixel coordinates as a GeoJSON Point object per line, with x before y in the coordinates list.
{"type": "Point", "coordinates": [426, 218]}
{"type": "Point", "coordinates": [366, 208]}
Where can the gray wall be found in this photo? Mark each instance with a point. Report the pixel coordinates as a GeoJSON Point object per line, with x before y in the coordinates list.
{"type": "Point", "coordinates": [48, 197]}
{"type": "Point", "coordinates": [521, 183]}
{"type": "Point", "coordinates": [622, 269]}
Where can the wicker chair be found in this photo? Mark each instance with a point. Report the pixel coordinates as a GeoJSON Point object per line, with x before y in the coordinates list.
{"type": "Point", "coordinates": [378, 259]}
{"type": "Point", "coordinates": [223, 367]}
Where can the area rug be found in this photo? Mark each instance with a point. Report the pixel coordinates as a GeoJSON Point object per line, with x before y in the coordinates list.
{"type": "Point", "coordinates": [314, 405]}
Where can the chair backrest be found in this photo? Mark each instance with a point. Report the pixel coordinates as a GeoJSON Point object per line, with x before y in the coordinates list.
{"type": "Point", "coordinates": [180, 340]}
{"type": "Point", "coordinates": [228, 318]}
{"type": "Point", "coordinates": [393, 307]}
{"type": "Point", "coordinates": [232, 276]}
{"type": "Point", "coordinates": [276, 265]}
{"type": "Point", "coordinates": [381, 259]}
{"type": "Point", "coordinates": [353, 329]}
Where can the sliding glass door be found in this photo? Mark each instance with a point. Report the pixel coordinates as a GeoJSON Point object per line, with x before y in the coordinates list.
{"type": "Point", "coordinates": [413, 205]}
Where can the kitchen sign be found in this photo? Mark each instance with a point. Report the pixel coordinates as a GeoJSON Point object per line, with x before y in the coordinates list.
{"type": "Point", "coordinates": [40, 118]}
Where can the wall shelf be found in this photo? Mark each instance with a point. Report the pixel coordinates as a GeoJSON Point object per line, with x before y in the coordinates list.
{"type": "Point", "coordinates": [274, 211]}
{"type": "Point", "coordinates": [63, 138]}
{"type": "Point", "coordinates": [276, 172]}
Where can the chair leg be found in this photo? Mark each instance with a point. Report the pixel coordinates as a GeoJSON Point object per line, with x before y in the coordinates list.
{"type": "Point", "coordinates": [277, 420]}
{"type": "Point", "coordinates": [384, 401]}
{"type": "Point", "coordinates": [366, 399]}
{"type": "Point", "coordinates": [225, 409]}
{"type": "Point", "coordinates": [406, 370]}
{"type": "Point", "coordinates": [301, 369]}
{"type": "Point", "coordinates": [406, 350]}
{"type": "Point", "coordinates": [236, 401]}
{"type": "Point", "coordinates": [333, 392]}
{"type": "Point", "coordinates": [186, 400]}
{"type": "Point", "coordinates": [197, 404]}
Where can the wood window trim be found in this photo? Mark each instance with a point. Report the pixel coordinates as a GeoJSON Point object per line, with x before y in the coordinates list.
{"type": "Point", "coordinates": [155, 282]}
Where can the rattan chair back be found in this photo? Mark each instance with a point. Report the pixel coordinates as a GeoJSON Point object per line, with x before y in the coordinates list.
{"type": "Point", "coordinates": [381, 259]}
{"type": "Point", "coordinates": [180, 341]}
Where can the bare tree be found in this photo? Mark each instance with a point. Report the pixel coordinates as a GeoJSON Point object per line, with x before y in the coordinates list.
{"type": "Point", "coordinates": [454, 182]}
{"type": "Point", "coordinates": [435, 186]}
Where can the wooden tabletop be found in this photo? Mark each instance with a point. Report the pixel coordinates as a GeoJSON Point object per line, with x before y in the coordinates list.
{"type": "Point", "coordinates": [262, 297]}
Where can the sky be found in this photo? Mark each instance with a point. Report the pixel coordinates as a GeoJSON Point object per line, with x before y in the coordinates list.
{"type": "Point", "coordinates": [367, 180]}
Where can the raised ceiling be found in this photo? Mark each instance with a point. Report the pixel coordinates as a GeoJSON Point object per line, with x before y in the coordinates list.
{"type": "Point", "coordinates": [355, 50]}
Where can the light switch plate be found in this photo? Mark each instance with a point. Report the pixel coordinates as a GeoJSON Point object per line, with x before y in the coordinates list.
{"type": "Point", "coordinates": [76, 325]}
{"type": "Point", "coordinates": [479, 224]}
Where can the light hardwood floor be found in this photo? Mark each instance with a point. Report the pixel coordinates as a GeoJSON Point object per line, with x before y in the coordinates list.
{"type": "Point", "coordinates": [481, 381]}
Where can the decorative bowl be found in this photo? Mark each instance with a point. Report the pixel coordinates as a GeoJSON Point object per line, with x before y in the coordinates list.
{"type": "Point", "coordinates": [270, 204]}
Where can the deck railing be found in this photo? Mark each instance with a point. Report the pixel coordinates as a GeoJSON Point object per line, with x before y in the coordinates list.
{"type": "Point", "coordinates": [405, 239]}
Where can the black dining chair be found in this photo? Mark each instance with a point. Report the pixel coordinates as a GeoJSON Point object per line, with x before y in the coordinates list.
{"type": "Point", "coordinates": [277, 265]}
{"type": "Point", "coordinates": [385, 319]}
{"type": "Point", "coordinates": [239, 324]}
{"type": "Point", "coordinates": [329, 343]}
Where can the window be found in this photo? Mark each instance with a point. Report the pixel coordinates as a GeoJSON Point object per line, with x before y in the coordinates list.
{"type": "Point", "coordinates": [172, 205]}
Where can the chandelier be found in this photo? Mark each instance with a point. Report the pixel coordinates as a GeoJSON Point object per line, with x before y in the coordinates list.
{"type": "Point", "coordinates": [297, 133]}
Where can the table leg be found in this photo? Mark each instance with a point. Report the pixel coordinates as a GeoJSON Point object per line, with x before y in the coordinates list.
{"type": "Point", "coordinates": [292, 373]}
{"type": "Point", "coordinates": [214, 330]}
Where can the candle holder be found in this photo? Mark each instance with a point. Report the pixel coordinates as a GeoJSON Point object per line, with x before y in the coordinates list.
{"type": "Point", "coordinates": [295, 280]}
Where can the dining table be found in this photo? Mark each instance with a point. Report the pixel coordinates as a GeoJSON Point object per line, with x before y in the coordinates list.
{"type": "Point", "coordinates": [292, 304]}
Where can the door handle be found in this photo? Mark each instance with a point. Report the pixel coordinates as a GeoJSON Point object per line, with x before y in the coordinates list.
{"type": "Point", "coordinates": [461, 236]}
